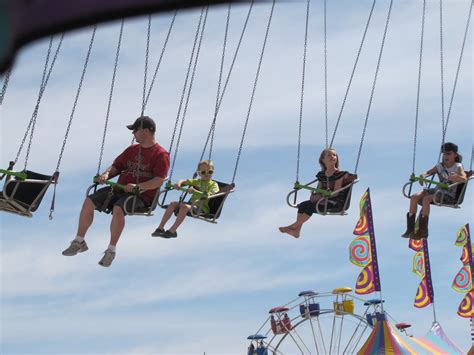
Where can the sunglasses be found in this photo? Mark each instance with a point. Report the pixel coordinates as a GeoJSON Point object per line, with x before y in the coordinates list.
{"type": "Point", "coordinates": [206, 172]}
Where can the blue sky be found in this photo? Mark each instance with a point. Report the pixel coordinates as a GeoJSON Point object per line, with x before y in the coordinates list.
{"type": "Point", "coordinates": [213, 286]}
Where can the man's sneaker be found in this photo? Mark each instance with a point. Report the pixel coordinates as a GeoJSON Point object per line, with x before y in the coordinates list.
{"type": "Point", "coordinates": [75, 248]}
{"type": "Point", "coordinates": [107, 259]}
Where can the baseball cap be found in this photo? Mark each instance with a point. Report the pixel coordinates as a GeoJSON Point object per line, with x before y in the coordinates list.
{"type": "Point", "coordinates": [451, 147]}
{"type": "Point", "coordinates": [143, 122]}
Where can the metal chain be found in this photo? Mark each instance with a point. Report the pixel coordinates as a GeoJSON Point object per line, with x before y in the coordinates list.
{"type": "Point", "coordinates": [441, 55]}
{"type": "Point", "coordinates": [145, 74]}
{"type": "Point", "coordinates": [147, 54]}
{"type": "Point", "coordinates": [197, 38]}
{"type": "Point", "coordinates": [253, 92]}
{"type": "Point", "coordinates": [109, 104]}
{"type": "Point", "coordinates": [32, 124]}
{"type": "Point", "coordinates": [236, 52]}
{"type": "Point", "coordinates": [84, 69]}
{"type": "Point", "coordinates": [457, 71]}
{"type": "Point", "coordinates": [6, 79]}
{"type": "Point", "coordinates": [145, 99]}
{"type": "Point", "coordinates": [35, 114]}
{"type": "Point", "coordinates": [325, 74]}
{"type": "Point", "coordinates": [300, 122]}
{"type": "Point", "coordinates": [352, 74]}
{"type": "Point", "coordinates": [373, 85]}
{"type": "Point", "coordinates": [44, 81]}
{"type": "Point", "coordinates": [230, 71]}
{"type": "Point", "coordinates": [46, 62]}
{"type": "Point", "coordinates": [224, 46]}
{"type": "Point", "coordinates": [420, 61]}
{"type": "Point", "coordinates": [161, 58]}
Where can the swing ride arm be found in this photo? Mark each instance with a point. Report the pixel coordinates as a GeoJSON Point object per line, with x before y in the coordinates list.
{"type": "Point", "coordinates": [324, 201]}
{"type": "Point", "coordinates": [21, 175]}
{"type": "Point", "coordinates": [170, 186]}
{"type": "Point", "coordinates": [422, 179]}
{"type": "Point", "coordinates": [297, 186]}
{"type": "Point", "coordinates": [113, 184]}
{"type": "Point", "coordinates": [324, 192]}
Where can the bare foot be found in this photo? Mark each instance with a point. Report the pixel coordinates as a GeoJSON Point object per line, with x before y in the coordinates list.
{"type": "Point", "coordinates": [293, 232]}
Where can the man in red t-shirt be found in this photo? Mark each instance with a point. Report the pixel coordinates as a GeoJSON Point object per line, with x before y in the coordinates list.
{"type": "Point", "coordinates": [144, 166]}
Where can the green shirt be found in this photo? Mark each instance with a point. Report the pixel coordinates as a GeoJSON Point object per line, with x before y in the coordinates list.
{"type": "Point", "coordinates": [209, 187]}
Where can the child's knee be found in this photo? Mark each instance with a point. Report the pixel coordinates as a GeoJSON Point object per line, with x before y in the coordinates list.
{"type": "Point", "coordinates": [428, 199]}
{"type": "Point", "coordinates": [416, 197]}
{"type": "Point", "coordinates": [173, 204]}
{"type": "Point", "coordinates": [186, 207]}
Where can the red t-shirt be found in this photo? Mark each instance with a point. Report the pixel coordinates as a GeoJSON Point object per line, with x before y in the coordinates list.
{"type": "Point", "coordinates": [154, 161]}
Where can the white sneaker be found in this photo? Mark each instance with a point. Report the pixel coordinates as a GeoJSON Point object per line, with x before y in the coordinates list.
{"type": "Point", "coordinates": [107, 259]}
{"type": "Point", "coordinates": [75, 248]}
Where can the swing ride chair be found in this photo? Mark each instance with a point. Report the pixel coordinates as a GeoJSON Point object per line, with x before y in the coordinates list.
{"type": "Point", "coordinates": [323, 207]}
{"type": "Point", "coordinates": [23, 191]}
{"type": "Point", "coordinates": [147, 210]}
{"type": "Point", "coordinates": [438, 197]}
{"type": "Point", "coordinates": [443, 188]}
{"type": "Point", "coordinates": [23, 194]}
{"type": "Point", "coordinates": [215, 202]}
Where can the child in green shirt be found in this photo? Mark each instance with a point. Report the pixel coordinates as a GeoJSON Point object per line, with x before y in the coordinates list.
{"type": "Point", "coordinates": [196, 187]}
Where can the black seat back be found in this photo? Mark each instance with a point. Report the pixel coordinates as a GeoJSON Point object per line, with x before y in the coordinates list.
{"type": "Point", "coordinates": [27, 192]}
{"type": "Point", "coordinates": [216, 202]}
{"type": "Point", "coordinates": [344, 195]}
{"type": "Point", "coordinates": [461, 189]}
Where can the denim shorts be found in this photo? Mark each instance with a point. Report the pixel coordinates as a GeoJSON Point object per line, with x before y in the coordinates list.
{"type": "Point", "coordinates": [105, 199]}
{"type": "Point", "coordinates": [447, 198]}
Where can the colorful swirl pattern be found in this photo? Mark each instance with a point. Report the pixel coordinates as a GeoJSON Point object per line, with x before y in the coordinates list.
{"type": "Point", "coordinates": [359, 251]}
{"type": "Point", "coordinates": [462, 236]}
{"type": "Point", "coordinates": [466, 308]}
{"type": "Point", "coordinates": [422, 298]}
{"type": "Point", "coordinates": [463, 280]}
{"type": "Point", "coordinates": [415, 245]}
{"type": "Point", "coordinates": [419, 264]}
{"type": "Point", "coordinates": [363, 203]}
{"type": "Point", "coordinates": [465, 255]}
{"type": "Point", "coordinates": [362, 227]}
{"type": "Point", "coordinates": [365, 282]}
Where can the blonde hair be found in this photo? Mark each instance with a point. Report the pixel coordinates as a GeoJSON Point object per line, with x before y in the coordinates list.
{"type": "Point", "coordinates": [209, 163]}
{"type": "Point", "coordinates": [321, 157]}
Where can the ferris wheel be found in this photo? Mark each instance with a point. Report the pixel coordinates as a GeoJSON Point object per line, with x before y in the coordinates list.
{"type": "Point", "coordinates": [333, 322]}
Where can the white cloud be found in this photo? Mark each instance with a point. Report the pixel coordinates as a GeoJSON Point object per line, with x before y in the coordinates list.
{"type": "Point", "coordinates": [211, 287]}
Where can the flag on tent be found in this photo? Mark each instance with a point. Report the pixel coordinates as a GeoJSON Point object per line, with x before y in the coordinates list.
{"type": "Point", "coordinates": [421, 267]}
{"type": "Point", "coordinates": [363, 251]}
{"type": "Point", "coordinates": [463, 279]}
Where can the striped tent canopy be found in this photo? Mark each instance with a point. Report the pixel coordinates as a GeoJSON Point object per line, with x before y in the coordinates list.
{"type": "Point", "coordinates": [386, 339]}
